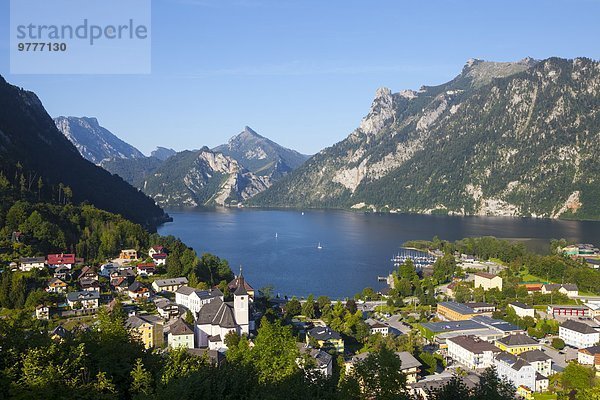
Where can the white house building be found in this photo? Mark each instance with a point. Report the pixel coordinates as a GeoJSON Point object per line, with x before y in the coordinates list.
{"type": "Point", "coordinates": [519, 372]}
{"type": "Point", "coordinates": [568, 289]}
{"type": "Point", "coordinates": [28, 263]}
{"type": "Point", "coordinates": [578, 334]}
{"type": "Point", "coordinates": [194, 299]}
{"type": "Point", "coordinates": [377, 327]}
{"type": "Point", "coordinates": [522, 310]}
{"type": "Point", "coordinates": [589, 356]}
{"type": "Point", "coordinates": [87, 299]}
{"type": "Point", "coordinates": [180, 335]}
{"type": "Point", "coordinates": [487, 281]}
{"type": "Point", "coordinates": [217, 318]}
{"type": "Point", "coordinates": [169, 285]}
{"type": "Point", "coordinates": [323, 362]}
{"type": "Point", "coordinates": [540, 360]}
{"type": "Point", "coordinates": [471, 351]}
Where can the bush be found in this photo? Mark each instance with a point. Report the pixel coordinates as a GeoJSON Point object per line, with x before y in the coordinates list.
{"type": "Point", "coordinates": [558, 343]}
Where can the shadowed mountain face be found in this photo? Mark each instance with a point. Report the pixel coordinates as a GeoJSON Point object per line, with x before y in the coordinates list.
{"type": "Point", "coordinates": [30, 141]}
{"type": "Point", "coordinates": [500, 139]}
{"type": "Point", "coordinates": [94, 142]}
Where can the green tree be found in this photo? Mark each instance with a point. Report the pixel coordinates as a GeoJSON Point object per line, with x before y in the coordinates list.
{"type": "Point", "coordinates": [141, 384]}
{"type": "Point", "coordinates": [558, 343]}
{"type": "Point", "coordinates": [292, 308]}
{"type": "Point", "coordinates": [379, 376]}
{"type": "Point", "coordinates": [309, 307]}
{"type": "Point", "coordinates": [189, 317]}
{"type": "Point", "coordinates": [578, 377]}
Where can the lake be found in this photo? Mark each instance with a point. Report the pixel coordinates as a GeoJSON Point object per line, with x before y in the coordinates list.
{"type": "Point", "coordinates": [280, 247]}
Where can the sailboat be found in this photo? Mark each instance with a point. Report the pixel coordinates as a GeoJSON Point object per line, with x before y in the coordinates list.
{"type": "Point", "coordinates": [319, 246]}
{"type": "Point", "coordinates": [276, 236]}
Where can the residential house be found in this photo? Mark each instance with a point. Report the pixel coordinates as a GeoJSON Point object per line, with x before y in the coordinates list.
{"type": "Point", "coordinates": [120, 284]}
{"type": "Point", "coordinates": [56, 285]}
{"type": "Point", "coordinates": [146, 269]}
{"type": "Point", "coordinates": [138, 291]}
{"type": "Point", "coordinates": [195, 299]}
{"type": "Point", "coordinates": [148, 329]}
{"type": "Point", "coordinates": [568, 289]}
{"type": "Point", "coordinates": [578, 334]}
{"type": "Point", "coordinates": [217, 318]}
{"type": "Point", "coordinates": [89, 285]}
{"type": "Point", "coordinates": [533, 287]}
{"type": "Point", "coordinates": [156, 250]}
{"type": "Point", "coordinates": [589, 356]}
{"type": "Point", "coordinates": [58, 260]}
{"type": "Point", "coordinates": [568, 311]}
{"type": "Point", "coordinates": [540, 360]}
{"type": "Point", "coordinates": [180, 334]}
{"type": "Point", "coordinates": [451, 311]}
{"type": "Point", "coordinates": [60, 333]}
{"type": "Point", "coordinates": [409, 365]}
{"type": "Point", "coordinates": [451, 287]}
{"type": "Point", "coordinates": [62, 273]}
{"type": "Point", "coordinates": [26, 264]}
{"type": "Point", "coordinates": [88, 300]}
{"type": "Point", "coordinates": [522, 310]}
{"type": "Point", "coordinates": [377, 327]}
{"type": "Point", "coordinates": [169, 285]}
{"type": "Point", "coordinates": [322, 361]}
{"type": "Point", "coordinates": [325, 338]}
{"type": "Point", "coordinates": [107, 269]}
{"type": "Point", "coordinates": [88, 272]}
{"type": "Point", "coordinates": [166, 308]}
{"type": "Point", "coordinates": [431, 383]}
{"type": "Point", "coordinates": [128, 255]}
{"type": "Point", "coordinates": [42, 311]}
{"type": "Point", "coordinates": [520, 372]}
{"type": "Point", "coordinates": [160, 258]}
{"type": "Point", "coordinates": [517, 344]}
{"type": "Point", "coordinates": [471, 351]}
{"type": "Point", "coordinates": [488, 281]}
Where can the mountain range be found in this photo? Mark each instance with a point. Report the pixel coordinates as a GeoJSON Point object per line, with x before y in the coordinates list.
{"type": "Point", "coordinates": [33, 148]}
{"type": "Point", "coordinates": [228, 174]}
{"type": "Point", "coordinates": [501, 138]}
{"type": "Point", "coordinates": [94, 142]}
{"type": "Point", "coordinates": [518, 139]}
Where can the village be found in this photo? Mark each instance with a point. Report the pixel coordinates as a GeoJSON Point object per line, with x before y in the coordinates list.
{"type": "Point", "coordinates": [526, 343]}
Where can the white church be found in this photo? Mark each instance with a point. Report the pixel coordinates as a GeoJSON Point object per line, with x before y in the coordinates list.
{"type": "Point", "coordinates": [217, 318]}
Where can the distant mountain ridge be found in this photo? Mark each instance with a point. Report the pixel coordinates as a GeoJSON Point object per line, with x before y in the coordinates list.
{"type": "Point", "coordinates": [229, 174]}
{"type": "Point", "coordinates": [162, 153]}
{"type": "Point", "coordinates": [94, 142]}
{"type": "Point", "coordinates": [510, 139]}
{"type": "Point", "coordinates": [30, 142]}
{"type": "Point", "coordinates": [260, 155]}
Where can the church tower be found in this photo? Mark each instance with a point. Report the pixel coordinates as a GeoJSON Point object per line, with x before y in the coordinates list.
{"type": "Point", "coordinates": [241, 305]}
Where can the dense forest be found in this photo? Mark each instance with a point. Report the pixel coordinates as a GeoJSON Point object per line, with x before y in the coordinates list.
{"type": "Point", "coordinates": [38, 159]}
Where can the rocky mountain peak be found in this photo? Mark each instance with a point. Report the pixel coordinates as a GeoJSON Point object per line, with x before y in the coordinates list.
{"type": "Point", "coordinates": [94, 142]}
{"type": "Point", "coordinates": [382, 111]}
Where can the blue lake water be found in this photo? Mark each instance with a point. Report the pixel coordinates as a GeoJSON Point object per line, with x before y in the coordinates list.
{"type": "Point", "coordinates": [280, 247]}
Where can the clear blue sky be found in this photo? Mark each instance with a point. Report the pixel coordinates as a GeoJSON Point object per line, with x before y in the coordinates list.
{"type": "Point", "coordinates": [301, 72]}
